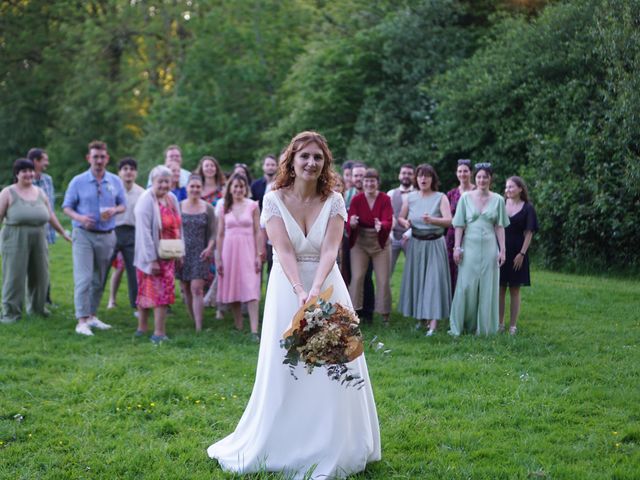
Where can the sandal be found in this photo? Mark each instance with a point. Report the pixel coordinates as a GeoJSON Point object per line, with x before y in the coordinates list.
{"type": "Point", "coordinates": [513, 330]}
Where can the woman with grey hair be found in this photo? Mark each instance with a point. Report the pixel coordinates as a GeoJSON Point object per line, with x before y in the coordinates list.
{"type": "Point", "coordinates": [157, 216]}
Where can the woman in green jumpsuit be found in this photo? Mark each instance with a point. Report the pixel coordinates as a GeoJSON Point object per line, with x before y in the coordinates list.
{"type": "Point", "coordinates": [481, 216]}
{"type": "Point", "coordinates": [25, 210]}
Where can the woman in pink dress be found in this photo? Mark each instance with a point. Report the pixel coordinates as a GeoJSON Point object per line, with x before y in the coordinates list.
{"type": "Point", "coordinates": [238, 258]}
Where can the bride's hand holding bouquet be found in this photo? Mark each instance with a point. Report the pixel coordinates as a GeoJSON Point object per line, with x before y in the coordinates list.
{"type": "Point", "coordinates": [301, 293]}
{"type": "Point", "coordinates": [313, 292]}
{"type": "Point", "coordinates": [324, 334]}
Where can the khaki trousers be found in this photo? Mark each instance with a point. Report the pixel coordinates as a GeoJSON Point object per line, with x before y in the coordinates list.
{"type": "Point", "coordinates": [367, 248]}
{"type": "Point", "coordinates": [25, 266]}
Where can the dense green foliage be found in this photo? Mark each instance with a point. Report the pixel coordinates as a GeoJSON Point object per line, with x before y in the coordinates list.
{"type": "Point", "coordinates": [558, 401]}
{"type": "Point", "coordinates": [550, 100]}
{"type": "Point", "coordinates": [545, 89]}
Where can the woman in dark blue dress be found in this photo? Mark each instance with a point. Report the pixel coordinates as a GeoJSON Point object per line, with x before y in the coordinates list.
{"type": "Point", "coordinates": [514, 273]}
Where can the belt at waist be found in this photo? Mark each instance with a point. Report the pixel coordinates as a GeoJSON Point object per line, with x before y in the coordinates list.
{"type": "Point", "coordinates": [101, 232]}
{"type": "Point", "coordinates": [301, 259]}
{"type": "Point", "coordinates": [23, 225]}
{"type": "Point", "coordinates": [426, 236]}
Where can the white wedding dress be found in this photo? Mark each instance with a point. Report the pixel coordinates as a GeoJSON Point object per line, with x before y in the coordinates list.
{"type": "Point", "coordinates": [313, 423]}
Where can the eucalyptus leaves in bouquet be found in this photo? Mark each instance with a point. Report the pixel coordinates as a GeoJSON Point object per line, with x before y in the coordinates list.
{"type": "Point", "coordinates": [324, 334]}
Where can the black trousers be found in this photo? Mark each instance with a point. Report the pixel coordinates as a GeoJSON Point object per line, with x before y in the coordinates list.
{"type": "Point", "coordinates": [125, 243]}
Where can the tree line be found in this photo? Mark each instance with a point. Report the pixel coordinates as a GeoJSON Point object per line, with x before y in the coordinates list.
{"type": "Point", "coordinates": [545, 89]}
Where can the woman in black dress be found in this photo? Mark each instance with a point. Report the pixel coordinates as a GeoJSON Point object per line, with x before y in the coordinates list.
{"type": "Point", "coordinates": [514, 273]}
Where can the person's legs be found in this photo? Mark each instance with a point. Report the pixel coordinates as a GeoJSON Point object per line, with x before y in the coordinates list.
{"type": "Point", "coordinates": [253, 308]}
{"type": "Point", "coordinates": [37, 272]}
{"type": "Point", "coordinates": [83, 260]}
{"type": "Point", "coordinates": [514, 293]}
{"type": "Point", "coordinates": [103, 246]}
{"type": "Point", "coordinates": [501, 307]}
{"type": "Point", "coordinates": [127, 247]}
{"type": "Point", "coordinates": [381, 260]}
{"type": "Point", "coordinates": [236, 310]}
{"type": "Point", "coordinates": [143, 320]}
{"type": "Point", "coordinates": [359, 261]}
{"type": "Point", "coordinates": [14, 271]}
{"type": "Point", "coordinates": [159, 321]}
{"type": "Point", "coordinates": [185, 287]}
{"type": "Point", "coordinates": [369, 297]}
{"type": "Point", "coordinates": [114, 284]}
{"type": "Point", "coordinates": [196, 292]}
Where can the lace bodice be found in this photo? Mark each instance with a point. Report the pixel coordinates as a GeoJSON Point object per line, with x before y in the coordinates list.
{"type": "Point", "coordinates": [307, 247]}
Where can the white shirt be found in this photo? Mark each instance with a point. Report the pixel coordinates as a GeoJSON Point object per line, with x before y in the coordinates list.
{"type": "Point", "coordinates": [132, 196]}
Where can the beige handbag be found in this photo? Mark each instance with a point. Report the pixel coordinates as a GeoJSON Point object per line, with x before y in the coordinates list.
{"type": "Point", "coordinates": [169, 249]}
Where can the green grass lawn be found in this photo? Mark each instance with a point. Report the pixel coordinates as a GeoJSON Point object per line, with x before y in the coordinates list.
{"type": "Point", "coordinates": [560, 400]}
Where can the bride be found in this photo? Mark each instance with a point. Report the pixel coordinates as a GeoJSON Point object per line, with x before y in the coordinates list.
{"type": "Point", "coordinates": [311, 427]}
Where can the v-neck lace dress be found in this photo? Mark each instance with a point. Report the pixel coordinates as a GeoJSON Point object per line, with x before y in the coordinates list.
{"type": "Point", "coordinates": [312, 424]}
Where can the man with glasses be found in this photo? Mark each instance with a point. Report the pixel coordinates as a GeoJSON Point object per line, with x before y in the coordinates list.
{"type": "Point", "coordinates": [92, 200]}
{"type": "Point", "coordinates": [173, 153]}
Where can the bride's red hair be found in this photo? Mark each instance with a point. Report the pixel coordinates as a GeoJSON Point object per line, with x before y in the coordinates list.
{"type": "Point", "coordinates": [286, 175]}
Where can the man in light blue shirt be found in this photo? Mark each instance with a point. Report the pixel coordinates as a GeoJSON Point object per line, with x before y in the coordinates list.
{"type": "Point", "coordinates": [92, 200]}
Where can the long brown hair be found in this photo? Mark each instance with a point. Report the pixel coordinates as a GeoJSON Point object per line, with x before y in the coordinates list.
{"type": "Point", "coordinates": [524, 194]}
{"type": "Point", "coordinates": [286, 175]}
{"type": "Point", "coordinates": [219, 175]}
{"type": "Point", "coordinates": [228, 198]}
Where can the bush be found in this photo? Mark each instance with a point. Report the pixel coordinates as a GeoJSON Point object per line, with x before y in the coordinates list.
{"type": "Point", "coordinates": [554, 99]}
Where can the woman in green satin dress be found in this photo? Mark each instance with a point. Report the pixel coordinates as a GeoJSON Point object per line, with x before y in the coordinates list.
{"type": "Point", "coordinates": [481, 217]}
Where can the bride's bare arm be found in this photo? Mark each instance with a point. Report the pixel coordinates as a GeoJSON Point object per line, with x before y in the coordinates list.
{"type": "Point", "coordinates": [328, 253]}
{"type": "Point", "coordinates": [277, 233]}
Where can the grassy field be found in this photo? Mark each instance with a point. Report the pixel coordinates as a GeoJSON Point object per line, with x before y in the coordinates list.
{"type": "Point", "coordinates": [560, 400]}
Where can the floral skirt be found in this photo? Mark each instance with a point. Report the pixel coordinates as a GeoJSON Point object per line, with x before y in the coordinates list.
{"type": "Point", "coordinates": [157, 290]}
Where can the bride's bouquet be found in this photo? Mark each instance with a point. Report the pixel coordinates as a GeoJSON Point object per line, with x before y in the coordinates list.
{"type": "Point", "coordinates": [324, 334]}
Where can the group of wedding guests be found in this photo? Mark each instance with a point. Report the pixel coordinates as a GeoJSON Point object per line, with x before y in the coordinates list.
{"type": "Point", "coordinates": [463, 249]}
{"type": "Point", "coordinates": [118, 223]}
{"type": "Point", "coordinates": [224, 247]}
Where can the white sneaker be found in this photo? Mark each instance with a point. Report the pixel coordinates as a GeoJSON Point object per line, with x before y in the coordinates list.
{"type": "Point", "coordinates": [96, 323]}
{"type": "Point", "coordinates": [83, 329]}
